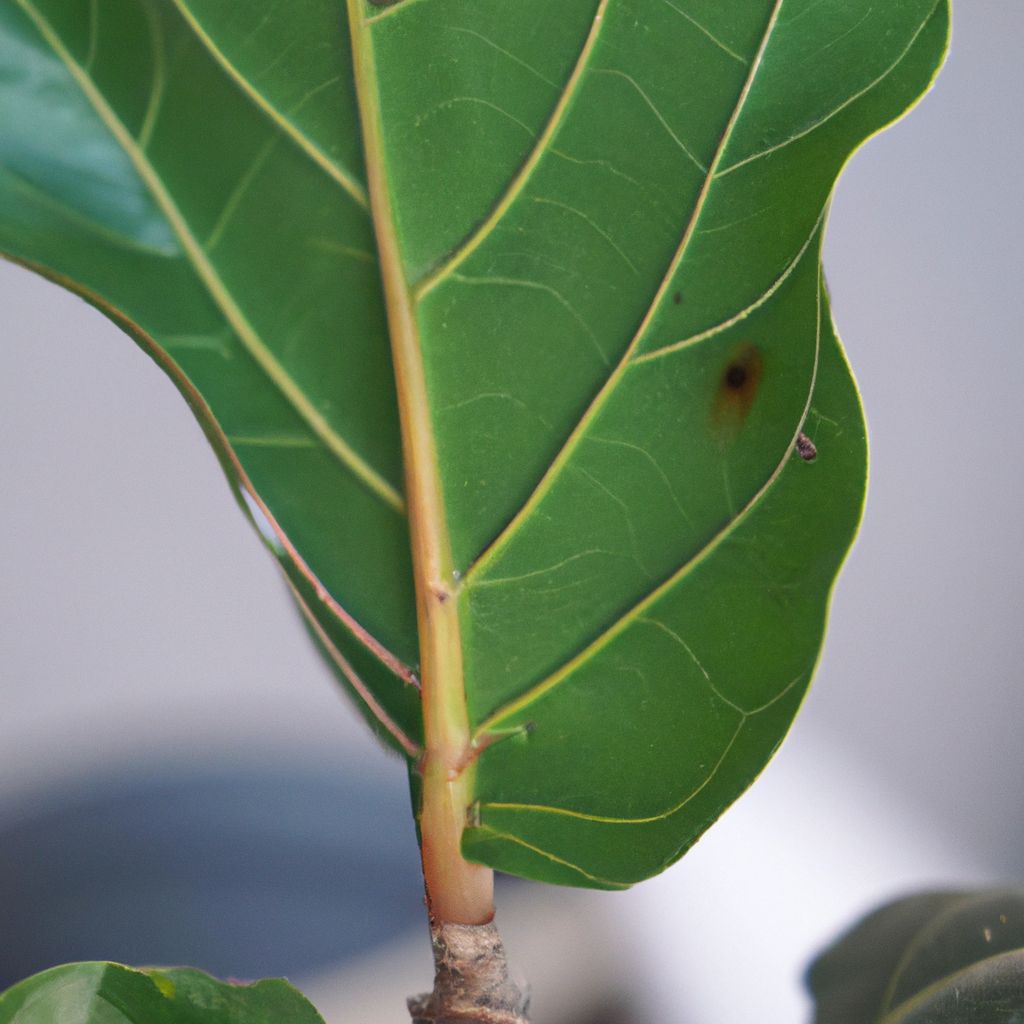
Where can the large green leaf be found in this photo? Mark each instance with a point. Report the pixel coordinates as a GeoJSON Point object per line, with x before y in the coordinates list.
{"type": "Point", "coordinates": [585, 239]}
{"type": "Point", "coordinates": [934, 958]}
{"type": "Point", "coordinates": [104, 993]}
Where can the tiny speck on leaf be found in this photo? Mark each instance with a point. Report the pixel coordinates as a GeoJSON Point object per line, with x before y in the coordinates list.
{"type": "Point", "coordinates": [677, 298]}
{"type": "Point", "coordinates": [806, 448]}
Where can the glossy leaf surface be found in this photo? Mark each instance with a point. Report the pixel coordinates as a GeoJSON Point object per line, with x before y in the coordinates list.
{"type": "Point", "coordinates": [104, 993]}
{"type": "Point", "coordinates": [934, 958]}
{"type": "Point", "coordinates": [589, 234]}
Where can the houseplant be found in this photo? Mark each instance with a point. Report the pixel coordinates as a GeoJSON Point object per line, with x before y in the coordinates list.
{"type": "Point", "coordinates": [738, 378]}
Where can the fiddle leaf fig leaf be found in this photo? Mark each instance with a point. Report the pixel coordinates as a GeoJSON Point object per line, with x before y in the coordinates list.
{"type": "Point", "coordinates": [508, 324]}
{"type": "Point", "coordinates": [105, 993]}
{"type": "Point", "coordinates": [933, 958]}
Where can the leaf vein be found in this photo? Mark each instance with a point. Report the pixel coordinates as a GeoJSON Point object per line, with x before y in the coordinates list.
{"type": "Point", "coordinates": [238, 193]}
{"type": "Point", "coordinates": [516, 282]}
{"type": "Point", "coordinates": [330, 166]}
{"type": "Point", "coordinates": [237, 477]}
{"type": "Point", "coordinates": [745, 716]}
{"type": "Point", "coordinates": [363, 691]}
{"type": "Point", "coordinates": [650, 819]}
{"type": "Point", "coordinates": [566, 670]}
{"type": "Point", "coordinates": [207, 274]}
{"type": "Point", "coordinates": [657, 113]}
{"type": "Point", "coordinates": [507, 53]}
{"type": "Point", "coordinates": [593, 225]}
{"type": "Point", "coordinates": [156, 91]}
{"type": "Point", "coordinates": [446, 104]}
{"type": "Point", "coordinates": [433, 278]}
{"type": "Point", "coordinates": [837, 110]}
{"type": "Point", "coordinates": [764, 297]}
{"type": "Point", "coordinates": [546, 854]}
{"type": "Point", "coordinates": [611, 382]}
{"type": "Point", "coordinates": [707, 32]}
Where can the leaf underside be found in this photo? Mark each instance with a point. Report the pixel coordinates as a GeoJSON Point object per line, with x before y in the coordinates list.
{"type": "Point", "coordinates": [933, 958]}
{"type": "Point", "coordinates": [609, 215]}
{"type": "Point", "coordinates": [106, 993]}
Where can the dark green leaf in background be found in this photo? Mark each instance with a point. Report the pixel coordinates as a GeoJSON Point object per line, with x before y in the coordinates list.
{"type": "Point", "coordinates": [104, 993]}
{"type": "Point", "coordinates": [608, 217]}
{"type": "Point", "coordinates": [934, 958]}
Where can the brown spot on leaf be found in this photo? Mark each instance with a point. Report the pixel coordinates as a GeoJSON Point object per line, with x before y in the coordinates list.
{"type": "Point", "coordinates": [737, 390]}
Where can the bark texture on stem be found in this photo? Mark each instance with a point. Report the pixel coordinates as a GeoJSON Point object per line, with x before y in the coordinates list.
{"type": "Point", "coordinates": [471, 980]}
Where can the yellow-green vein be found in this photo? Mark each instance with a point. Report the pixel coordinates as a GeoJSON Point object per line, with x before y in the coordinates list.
{"type": "Point", "coordinates": [494, 834]}
{"type": "Point", "coordinates": [556, 678]}
{"type": "Point", "coordinates": [560, 461]}
{"type": "Point", "coordinates": [156, 89]}
{"type": "Point", "coordinates": [343, 177]}
{"type": "Point", "coordinates": [752, 307]}
{"type": "Point", "coordinates": [604, 819]}
{"type": "Point", "coordinates": [515, 187]}
{"type": "Point", "coordinates": [207, 273]}
{"type": "Point", "coordinates": [842, 106]}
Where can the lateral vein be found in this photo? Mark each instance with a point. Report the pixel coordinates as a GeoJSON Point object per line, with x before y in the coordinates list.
{"type": "Point", "coordinates": [209, 276]}
{"type": "Point", "coordinates": [611, 382]}
{"type": "Point", "coordinates": [433, 278]}
{"type": "Point", "coordinates": [637, 610]}
{"type": "Point", "coordinates": [342, 176]}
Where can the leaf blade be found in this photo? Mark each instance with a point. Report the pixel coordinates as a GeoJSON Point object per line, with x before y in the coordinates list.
{"type": "Point", "coordinates": [935, 956]}
{"type": "Point", "coordinates": [615, 324]}
{"type": "Point", "coordinates": [108, 993]}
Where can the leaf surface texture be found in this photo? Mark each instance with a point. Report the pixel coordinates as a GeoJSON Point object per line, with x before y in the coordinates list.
{"type": "Point", "coordinates": [606, 220]}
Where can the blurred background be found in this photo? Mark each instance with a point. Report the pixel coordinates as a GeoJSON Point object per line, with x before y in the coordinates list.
{"type": "Point", "coordinates": [181, 781]}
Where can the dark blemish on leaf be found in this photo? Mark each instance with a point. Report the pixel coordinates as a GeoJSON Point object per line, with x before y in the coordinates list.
{"type": "Point", "coordinates": [677, 298]}
{"type": "Point", "coordinates": [737, 389]}
{"type": "Point", "coordinates": [805, 447]}
{"type": "Point", "coordinates": [736, 377]}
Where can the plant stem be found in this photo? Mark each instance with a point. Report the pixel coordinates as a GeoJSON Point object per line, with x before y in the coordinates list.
{"type": "Point", "coordinates": [471, 982]}
{"type": "Point", "coordinates": [457, 891]}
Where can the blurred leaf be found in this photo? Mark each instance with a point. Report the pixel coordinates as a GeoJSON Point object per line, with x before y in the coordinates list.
{"type": "Point", "coordinates": [104, 993]}
{"type": "Point", "coordinates": [935, 958]}
{"type": "Point", "coordinates": [598, 226]}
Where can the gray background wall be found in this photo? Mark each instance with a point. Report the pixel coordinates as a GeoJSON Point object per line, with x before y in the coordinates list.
{"type": "Point", "coordinates": [139, 617]}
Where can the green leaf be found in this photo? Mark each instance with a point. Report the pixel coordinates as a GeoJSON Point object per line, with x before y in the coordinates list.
{"type": "Point", "coordinates": [934, 958]}
{"type": "Point", "coordinates": [104, 993]}
{"type": "Point", "coordinates": [584, 239]}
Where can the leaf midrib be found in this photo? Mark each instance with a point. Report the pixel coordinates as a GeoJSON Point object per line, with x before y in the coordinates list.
{"type": "Point", "coordinates": [457, 891]}
{"type": "Point", "coordinates": [209, 277]}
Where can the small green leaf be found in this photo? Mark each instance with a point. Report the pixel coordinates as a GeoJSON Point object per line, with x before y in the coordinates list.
{"type": "Point", "coordinates": [508, 323]}
{"type": "Point", "coordinates": [935, 958]}
{"type": "Point", "coordinates": [105, 993]}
